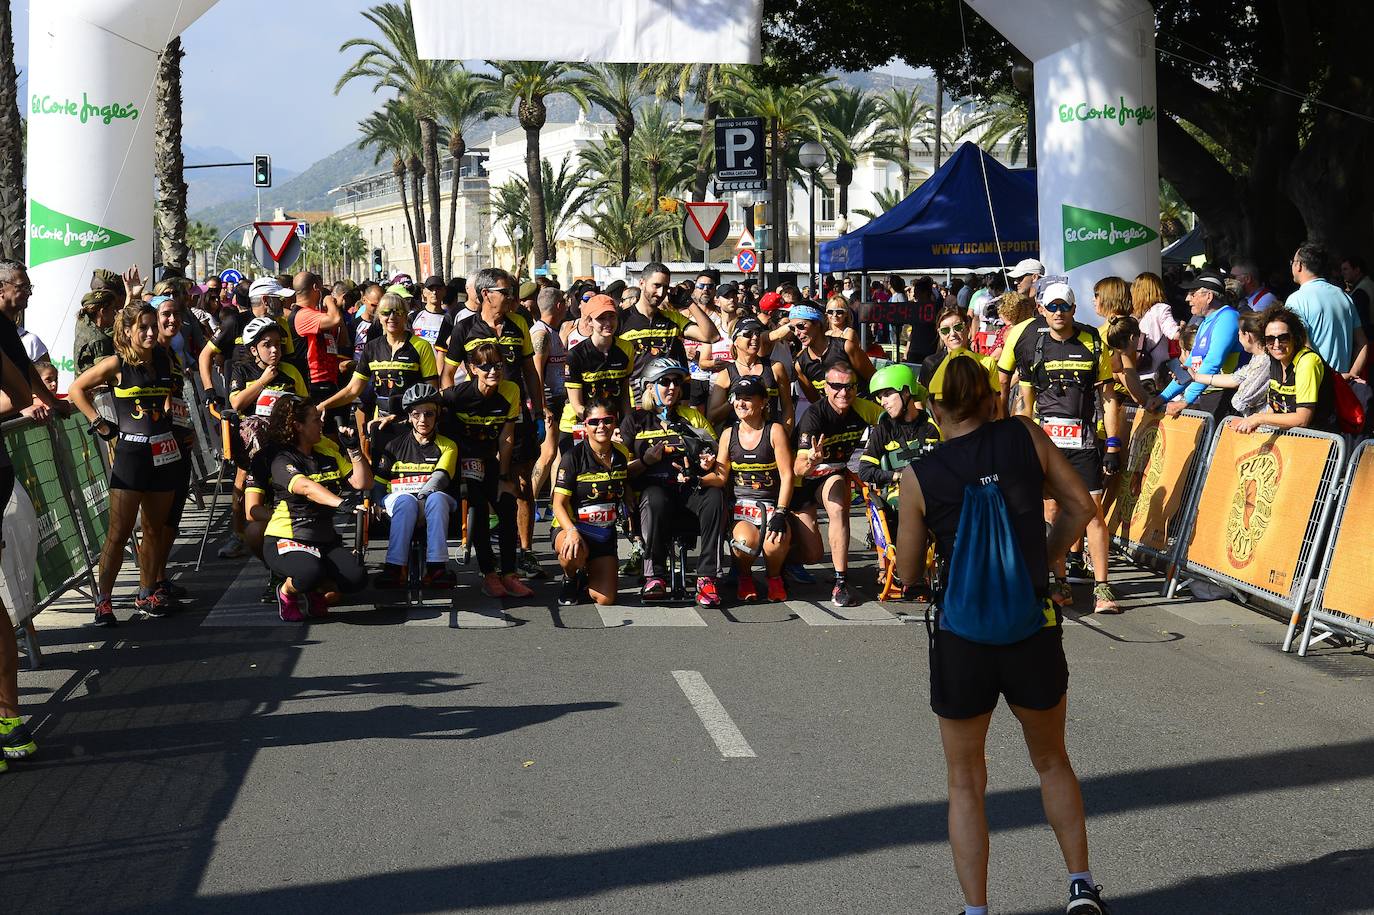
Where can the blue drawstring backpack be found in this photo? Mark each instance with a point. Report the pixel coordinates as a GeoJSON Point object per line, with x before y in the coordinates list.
{"type": "Point", "coordinates": [988, 595]}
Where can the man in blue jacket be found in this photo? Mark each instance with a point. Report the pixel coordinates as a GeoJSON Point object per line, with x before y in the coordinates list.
{"type": "Point", "coordinates": [1216, 350]}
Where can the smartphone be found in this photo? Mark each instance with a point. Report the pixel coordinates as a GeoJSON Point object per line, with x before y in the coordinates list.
{"type": "Point", "coordinates": [1176, 369]}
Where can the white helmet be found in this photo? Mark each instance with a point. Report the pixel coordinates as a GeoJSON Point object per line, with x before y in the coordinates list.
{"type": "Point", "coordinates": [256, 328]}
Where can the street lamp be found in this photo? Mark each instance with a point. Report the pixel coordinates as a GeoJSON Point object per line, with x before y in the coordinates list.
{"type": "Point", "coordinates": [516, 234]}
{"type": "Point", "coordinates": [812, 157]}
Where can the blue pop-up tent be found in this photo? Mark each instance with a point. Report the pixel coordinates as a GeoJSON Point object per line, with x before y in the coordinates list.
{"type": "Point", "coordinates": [945, 221]}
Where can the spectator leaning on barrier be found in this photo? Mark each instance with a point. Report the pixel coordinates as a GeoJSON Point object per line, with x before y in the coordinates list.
{"type": "Point", "coordinates": [1302, 389]}
{"type": "Point", "coordinates": [1250, 382]}
{"type": "Point", "coordinates": [1158, 327]}
{"type": "Point", "coordinates": [1327, 312]}
{"type": "Point", "coordinates": [1216, 349]}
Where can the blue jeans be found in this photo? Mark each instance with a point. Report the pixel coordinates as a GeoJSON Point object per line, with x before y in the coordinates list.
{"type": "Point", "coordinates": [404, 510]}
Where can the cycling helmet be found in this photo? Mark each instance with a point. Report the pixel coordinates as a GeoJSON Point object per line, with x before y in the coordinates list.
{"type": "Point", "coordinates": [660, 367]}
{"type": "Point", "coordinates": [255, 329]}
{"type": "Point", "coordinates": [896, 377]}
{"type": "Point", "coordinates": [421, 393]}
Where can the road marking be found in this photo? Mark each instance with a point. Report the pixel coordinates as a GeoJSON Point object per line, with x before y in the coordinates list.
{"type": "Point", "coordinates": [238, 605]}
{"type": "Point", "coordinates": [717, 721]}
{"type": "Point", "coordinates": [615, 616]}
{"type": "Point", "coordinates": [869, 614]}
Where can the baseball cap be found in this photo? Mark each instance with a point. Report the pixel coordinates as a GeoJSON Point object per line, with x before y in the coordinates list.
{"type": "Point", "coordinates": [400, 290]}
{"type": "Point", "coordinates": [1026, 268]}
{"type": "Point", "coordinates": [435, 282]}
{"type": "Point", "coordinates": [770, 301]}
{"type": "Point", "coordinates": [747, 326]}
{"type": "Point", "coordinates": [615, 288]}
{"type": "Point", "coordinates": [748, 386]}
{"type": "Point", "coordinates": [727, 290]}
{"type": "Point", "coordinates": [528, 290]}
{"type": "Point", "coordinates": [1057, 292]}
{"type": "Point", "coordinates": [599, 305]}
{"type": "Point", "coordinates": [1209, 280]}
{"type": "Point", "coordinates": [268, 285]}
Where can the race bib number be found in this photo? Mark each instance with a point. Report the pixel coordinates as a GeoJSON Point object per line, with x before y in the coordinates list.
{"type": "Point", "coordinates": [1065, 433]}
{"type": "Point", "coordinates": [473, 469]}
{"type": "Point", "coordinates": [599, 514]}
{"type": "Point", "coordinates": [165, 450]}
{"type": "Point", "coordinates": [266, 401]}
{"type": "Point", "coordinates": [579, 432]}
{"type": "Point", "coordinates": [295, 546]}
{"type": "Point", "coordinates": [331, 345]}
{"type": "Point", "coordinates": [410, 483]}
{"type": "Point", "coordinates": [750, 510]}
{"type": "Point", "coordinates": [181, 413]}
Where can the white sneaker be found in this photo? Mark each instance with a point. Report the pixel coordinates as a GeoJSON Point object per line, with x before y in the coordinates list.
{"type": "Point", "coordinates": [234, 548]}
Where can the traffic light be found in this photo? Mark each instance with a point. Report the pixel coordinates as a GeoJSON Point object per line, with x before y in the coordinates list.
{"type": "Point", "coordinates": [377, 261]}
{"type": "Point", "coordinates": [262, 171]}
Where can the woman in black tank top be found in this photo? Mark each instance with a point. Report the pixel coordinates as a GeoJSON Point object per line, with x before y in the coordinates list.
{"type": "Point", "coordinates": [146, 450]}
{"type": "Point", "coordinates": [748, 340]}
{"type": "Point", "coordinates": [967, 678]}
{"type": "Point", "coordinates": [755, 459]}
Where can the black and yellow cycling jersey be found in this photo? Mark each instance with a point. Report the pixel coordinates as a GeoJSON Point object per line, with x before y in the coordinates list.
{"type": "Point", "coordinates": [289, 380]}
{"type": "Point", "coordinates": [813, 369]}
{"type": "Point", "coordinates": [653, 336]}
{"type": "Point", "coordinates": [1305, 382]}
{"type": "Point", "coordinates": [141, 396]}
{"type": "Point", "coordinates": [893, 444]}
{"type": "Point", "coordinates": [296, 517]}
{"type": "Point", "coordinates": [596, 490]}
{"type": "Point", "coordinates": [754, 471]}
{"type": "Point", "coordinates": [839, 436]}
{"type": "Point", "coordinates": [406, 463]}
{"type": "Point", "coordinates": [228, 340]}
{"type": "Point", "coordinates": [932, 374]}
{"type": "Point", "coordinates": [1062, 375]}
{"type": "Point", "coordinates": [477, 418]}
{"type": "Point", "coordinates": [598, 375]}
{"type": "Point", "coordinates": [642, 429]}
{"type": "Point", "coordinates": [393, 370]}
{"type": "Point", "coordinates": [513, 338]}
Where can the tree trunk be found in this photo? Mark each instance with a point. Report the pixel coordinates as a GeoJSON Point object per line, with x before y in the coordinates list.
{"type": "Point", "coordinates": [12, 226]}
{"type": "Point", "coordinates": [906, 164]}
{"type": "Point", "coordinates": [539, 239]}
{"type": "Point", "coordinates": [417, 193]}
{"type": "Point", "coordinates": [405, 208]}
{"type": "Point", "coordinates": [429, 139]}
{"type": "Point", "coordinates": [625, 130]}
{"type": "Point", "coordinates": [653, 208]}
{"type": "Point", "coordinates": [707, 151]}
{"type": "Point", "coordinates": [775, 165]}
{"type": "Point", "coordinates": [170, 209]}
{"type": "Point", "coordinates": [457, 146]}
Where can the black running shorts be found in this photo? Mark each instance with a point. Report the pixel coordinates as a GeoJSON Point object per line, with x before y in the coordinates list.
{"type": "Point", "coordinates": [966, 677]}
{"type": "Point", "coordinates": [1087, 462]}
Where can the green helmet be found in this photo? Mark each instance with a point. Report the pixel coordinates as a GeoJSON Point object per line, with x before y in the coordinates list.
{"type": "Point", "coordinates": [895, 377]}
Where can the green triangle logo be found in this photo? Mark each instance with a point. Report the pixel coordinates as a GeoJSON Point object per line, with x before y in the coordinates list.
{"type": "Point", "coordinates": [54, 235]}
{"type": "Point", "coordinates": [1090, 235]}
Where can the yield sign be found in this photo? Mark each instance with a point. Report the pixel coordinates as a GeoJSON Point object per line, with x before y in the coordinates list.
{"type": "Point", "coordinates": [706, 215]}
{"type": "Point", "coordinates": [275, 236]}
{"type": "Point", "coordinates": [746, 240]}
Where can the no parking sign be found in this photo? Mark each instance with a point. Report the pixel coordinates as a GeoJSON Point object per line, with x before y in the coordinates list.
{"type": "Point", "coordinates": [746, 260]}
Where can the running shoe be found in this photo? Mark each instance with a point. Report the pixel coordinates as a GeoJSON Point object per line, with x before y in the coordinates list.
{"type": "Point", "coordinates": [15, 740]}
{"type": "Point", "coordinates": [317, 604]}
{"type": "Point", "coordinates": [172, 588]}
{"type": "Point", "coordinates": [777, 590]}
{"type": "Point", "coordinates": [706, 592]}
{"type": "Point", "coordinates": [104, 613]}
{"type": "Point", "coordinates": [798, 573]}
{"type": "Point", "coordinates": [515, 587]}
{"type": "Point", "coordinates": [390, 578]}
{"type": "Point", "coordinates": [491, 585]}
{"type": "Point", "coordinates": [1061, 593]}
{"type": "Point", "coordinates": [151, 605]}
{"type": "Point", "coordinates": [234, 548]}
{"type": "Point", "coordinates": [528, 566]}
{"type": "Point", "coordinates": [289, 607]}
{"type": "Point", "coordinates": [1104, 599]}
{"type": "Point", "coordinates": [1078, 572]}
{"type": "Point", "coordinates": [1086, 899]}
{"type": "Point", "coordinates": [570, 594]}
{"type": "Point", "coordinates": [841, 596]}
{"type": "Point", "coordinates": [169, 596]}
{"type": "Point", "coordinates": [654, 589]}
{"type": "Point", "coordinates": [439, 578]}
{"type": "Point", "coordinates": [746, 590]}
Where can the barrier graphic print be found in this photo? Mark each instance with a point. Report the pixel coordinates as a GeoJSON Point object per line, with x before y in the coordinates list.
{"type": "Point", "coordinates": [1347, 589]}
{"type": "Point", "coordinates": [1145, 504]}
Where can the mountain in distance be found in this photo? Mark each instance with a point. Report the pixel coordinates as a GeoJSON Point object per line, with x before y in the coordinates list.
{"type": "Point", "coordinates": [209, 187]}
{"type": "Point", "coordinates": [309, 190]}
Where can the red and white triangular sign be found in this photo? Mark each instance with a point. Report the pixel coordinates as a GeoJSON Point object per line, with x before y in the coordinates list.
{"type": "Point", "coordinates": [707, 215]}
{"type": "Point", "coordinates": [746, 240]}
{"type": "Point", "coordinates": [276, 236]}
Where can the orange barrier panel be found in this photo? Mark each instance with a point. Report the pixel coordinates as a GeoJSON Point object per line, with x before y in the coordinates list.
{"type": "Point", "coordinates": [1347, 587]}
{"type": "Point", "coordinates": [1144, 504]}
{"type": "Point", "coordinates": [1259, 497]}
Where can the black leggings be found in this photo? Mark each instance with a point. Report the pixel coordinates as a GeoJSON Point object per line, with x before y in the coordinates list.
{"type": "Point", "coordinates": [662, 510]}
{"type": "Point", "coordinates": [307, 571]}
{"type": "Point", "coordinates": [482, 495]}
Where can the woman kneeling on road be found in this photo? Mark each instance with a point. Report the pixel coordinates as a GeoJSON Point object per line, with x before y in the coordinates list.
{"type": "Point", "coordinates": [416, 471]}
{"type": "Point", "coordinates": [996, 631]}
{"type": "Point", "coordinates": [307, 473]}
{"type": "Point", "coordinates": [588, 488]}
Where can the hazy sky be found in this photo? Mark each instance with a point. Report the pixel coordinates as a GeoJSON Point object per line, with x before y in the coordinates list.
{"type": "Point", "coordinates": [252, 65]}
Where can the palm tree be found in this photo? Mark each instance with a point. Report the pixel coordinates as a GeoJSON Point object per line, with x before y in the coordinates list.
{"type": "Point", "coordinates": [201, 238]}
{"type": "Point", "coordinates": [886, 199]}
{"type": "Point", "coordinates": [393, 130]}
{"type": "Point", "coordinates": [170, 209]}
{"type": "Point", "coordinates": [510, 210]}
{"type": "Point", "coordinates": [1002, 117]}
{"type": "Point", "coordinates": [906, 122]}
{"type": "Point", "coordinates": [235, 255]}
{"type": "Point", "coordinates": [703, 81]}
{"type": "Point", "coordinates": [661, 144]}
{"type": "Point", "coordinates": [852, 116]}
{"type": "Point", "coordinates": [12, 226]}
{"type": "Point", "coordinates": [565, 194]}
{"type": "Point", "coordinates": [333, 244]}
{"type": "Point", "coordinates": [617, 88]}
{"type": "Point", "coordinates": [463, 101]}
{"type": "Point", "coordinates": [393, 62]}
{"type": "Point", "coordinates": [623, 230]}
{"type": "Point", "coordinates": [600, 164]}
{"type": "Point", "coordinates": [524, 85]}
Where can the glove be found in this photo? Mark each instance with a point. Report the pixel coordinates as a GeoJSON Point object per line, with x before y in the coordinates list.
{"type": "Point", "coordinates": [777, 522]}
{"type": "Point", "coordinates": [111, 430]}
{"type": "Point", "coordinates": [350, 503]}
{"type": "Point", "coordinates": [1111, 463]}
{"type": "Point", "coordinates": [348, 438]}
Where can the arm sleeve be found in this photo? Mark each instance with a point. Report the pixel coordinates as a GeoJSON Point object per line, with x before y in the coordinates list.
{"type": "Point", "coordinates": [437, 480]}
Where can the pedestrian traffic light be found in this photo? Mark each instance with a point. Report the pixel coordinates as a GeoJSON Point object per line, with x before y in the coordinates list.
{"type": "Point", "coordinates": [377, 261]}
{"type": "Point", "coordinates": [262, 171]}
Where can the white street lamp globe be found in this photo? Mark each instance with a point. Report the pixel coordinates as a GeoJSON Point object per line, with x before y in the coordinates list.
{"type": "Point", "coordinates": [811, 155]}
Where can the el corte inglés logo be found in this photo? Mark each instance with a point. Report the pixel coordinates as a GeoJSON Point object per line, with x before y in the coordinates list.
{"type": "Point", "coordinates": [54, 235]}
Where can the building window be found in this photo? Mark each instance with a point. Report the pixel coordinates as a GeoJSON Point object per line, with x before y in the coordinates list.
{"type": "Point", "coordinates": [827, 202]}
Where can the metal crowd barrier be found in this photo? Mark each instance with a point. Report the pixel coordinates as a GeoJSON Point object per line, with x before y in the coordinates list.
{"type": "Point", "coordinates": [1225, 541]}
{"type": "Point", "coordinates": [1343, 603]}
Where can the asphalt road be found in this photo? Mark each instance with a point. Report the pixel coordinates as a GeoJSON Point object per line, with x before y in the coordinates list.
{"type": "Point", "coordinates": [774, 758]}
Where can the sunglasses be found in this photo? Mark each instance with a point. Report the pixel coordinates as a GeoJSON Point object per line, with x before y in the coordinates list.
{"type": "Point", "coordinates": [422, 413]}
{"type": "Point", "coordinates": [953, 329]}
{"type": "Point", "coordinates": [587, 296]}
{"type": "Point", "coordinates": [706, 285]}
{"type": "Point", "coordinates": [837, 386]}
{"type": "Point", "coordinates": [1277, 338]}
{"type": "Point", "coordinates": [487, 367]}
{"type": "Point", "coordinates": [801, 327]}
{"type": "Point", "coordinates": [600, 421]}
{"type": "Point", "coordinates": [670, 382]}
{"type": "Point", "coordinates": [1053, 307]}
{"type": "Point", "coordinates": [502, 290]}
{"type": "Point", "coordinates": [387, 312]}
{"type": "Point", "coordinates": [836, 311]}
{"type": "Point", "coordinates": [747, 334]}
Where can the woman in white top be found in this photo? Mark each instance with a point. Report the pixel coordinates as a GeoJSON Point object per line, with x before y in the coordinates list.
{"type": "Point", "coordinates": [1158, 328]}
